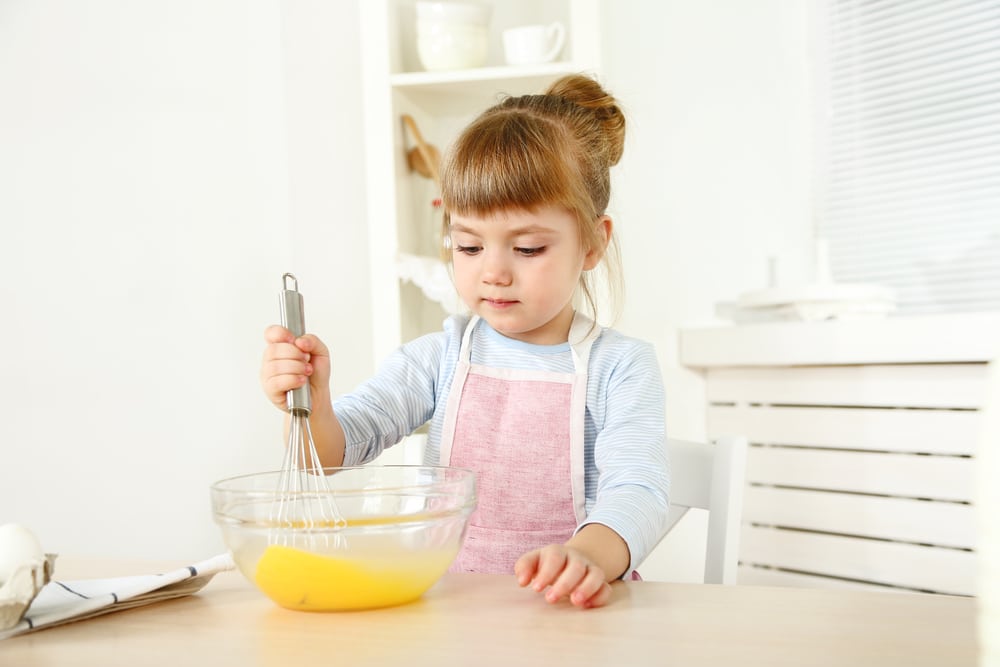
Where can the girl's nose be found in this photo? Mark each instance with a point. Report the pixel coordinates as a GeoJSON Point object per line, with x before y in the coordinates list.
{"type": "Point", "coordinates": [496, 270]}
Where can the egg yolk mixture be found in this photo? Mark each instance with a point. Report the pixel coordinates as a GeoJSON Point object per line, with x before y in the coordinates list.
{"type": "Point", "coordinates": [300, 580]}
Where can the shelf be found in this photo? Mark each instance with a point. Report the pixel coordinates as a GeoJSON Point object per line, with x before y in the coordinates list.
{"type": "Point", "coordinates": [458, 92]}
{"type": "Point", "coordinates": [442, 103]}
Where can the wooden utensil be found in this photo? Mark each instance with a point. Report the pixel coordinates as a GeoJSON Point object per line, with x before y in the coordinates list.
{"type": "Point", "coordinates": [424, 158]}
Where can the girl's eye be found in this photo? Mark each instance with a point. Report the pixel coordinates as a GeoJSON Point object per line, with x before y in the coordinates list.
{"type": "Point", "coordinates": [468, 249]}
{"type": "Point", "coordinates": [530, 252]}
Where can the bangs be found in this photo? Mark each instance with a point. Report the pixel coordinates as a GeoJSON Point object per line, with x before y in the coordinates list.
{"type": "Point", "coordinates": [510, 160]}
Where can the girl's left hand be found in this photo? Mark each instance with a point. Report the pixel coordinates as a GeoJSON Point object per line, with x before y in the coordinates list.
{"type": "Point", "coordinates": [565, 572]}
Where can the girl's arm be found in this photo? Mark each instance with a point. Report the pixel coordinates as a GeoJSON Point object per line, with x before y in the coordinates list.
{"type": "Point", "coordinates": [378, 413]}
{"type": "Point", "coordinates": [630, 453]}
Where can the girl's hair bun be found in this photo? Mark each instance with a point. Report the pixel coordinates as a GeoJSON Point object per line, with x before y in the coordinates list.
{"type": "Point", "coordinates": [588, 93]}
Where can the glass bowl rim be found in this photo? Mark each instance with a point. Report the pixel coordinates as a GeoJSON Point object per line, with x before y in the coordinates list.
{"type": "Point", "coordinates": [466, 476]}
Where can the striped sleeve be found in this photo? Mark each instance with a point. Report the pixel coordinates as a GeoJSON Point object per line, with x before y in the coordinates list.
{"type": "Point", "coordinates": [396, 400]}
{"type": "Point", "coordinates": [630, 455]}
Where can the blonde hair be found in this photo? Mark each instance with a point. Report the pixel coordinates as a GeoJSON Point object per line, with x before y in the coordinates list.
{"type": "Point", "coordinates": [554, 149]}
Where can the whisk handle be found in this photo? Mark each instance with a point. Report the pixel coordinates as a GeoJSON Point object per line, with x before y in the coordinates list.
{"type": "Point", "coordinates": [293, 318]}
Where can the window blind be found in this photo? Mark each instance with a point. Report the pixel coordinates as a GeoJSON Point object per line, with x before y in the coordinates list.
{"type": "Point", "coordinates": [909, 159]}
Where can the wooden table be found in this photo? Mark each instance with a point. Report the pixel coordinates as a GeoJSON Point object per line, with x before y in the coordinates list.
{"type": "Point", "coordinates": [483, 620]}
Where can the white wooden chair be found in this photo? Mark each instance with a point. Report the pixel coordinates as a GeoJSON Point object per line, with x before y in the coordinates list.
{"type": "Point", "coordinates": [711, 477]}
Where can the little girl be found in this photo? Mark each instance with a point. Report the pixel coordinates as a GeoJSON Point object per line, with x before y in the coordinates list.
{"type": "Point", "coordinates": [562, 420]}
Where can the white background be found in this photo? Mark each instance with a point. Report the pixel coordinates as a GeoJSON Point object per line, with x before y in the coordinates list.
{"type": "Point", "coordinates": [162, 163]}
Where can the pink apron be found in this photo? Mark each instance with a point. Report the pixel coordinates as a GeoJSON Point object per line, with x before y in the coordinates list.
{"type": "Point", "coordinates": [521, 431]}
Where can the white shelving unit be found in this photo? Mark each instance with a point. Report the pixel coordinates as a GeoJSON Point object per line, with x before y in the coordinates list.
{"type": "Point", "coordinates": [401, 218]}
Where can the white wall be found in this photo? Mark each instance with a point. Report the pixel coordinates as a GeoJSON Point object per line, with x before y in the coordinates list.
{"type": "Point", "coordinates": [163, 163]}
{"type": "Point", "coordinates": [716, 173]}
{"type": "Point", "coordinates": [147, 216]}
{"type": "Point", "coordinates": [715, 178]}
{"type": "Point", "coordinates": [326, 179]}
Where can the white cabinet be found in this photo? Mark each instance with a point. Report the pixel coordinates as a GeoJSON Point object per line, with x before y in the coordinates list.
{"type": "Point", "coordinates": [400, 214]}
{"type": "Point", "coordinates": [863, 446]}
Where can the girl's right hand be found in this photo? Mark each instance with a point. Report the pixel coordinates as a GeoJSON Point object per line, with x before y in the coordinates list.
{"type": "Point", "coordinates": [290, 362]}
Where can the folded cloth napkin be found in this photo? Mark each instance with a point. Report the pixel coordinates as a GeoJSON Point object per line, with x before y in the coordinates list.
{"type": "Point", "coordinates": [65, 601]}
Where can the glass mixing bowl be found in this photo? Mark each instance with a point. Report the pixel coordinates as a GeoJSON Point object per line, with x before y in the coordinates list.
{"type": "Point", "coordinates": [402, 528]}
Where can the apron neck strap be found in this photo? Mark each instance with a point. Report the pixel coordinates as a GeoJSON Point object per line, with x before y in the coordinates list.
{"type": "Point", "coordinates": [465, 352]}
{"type": "Point", "coordinates": [582, 334]}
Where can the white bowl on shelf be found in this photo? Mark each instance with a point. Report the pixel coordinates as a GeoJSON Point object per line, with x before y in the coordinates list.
{"type": "Point", "coordinates": [452, 35]}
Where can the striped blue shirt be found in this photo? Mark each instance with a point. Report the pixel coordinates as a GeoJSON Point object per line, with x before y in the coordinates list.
{"type": "Point", "coordinates": [625, 458]}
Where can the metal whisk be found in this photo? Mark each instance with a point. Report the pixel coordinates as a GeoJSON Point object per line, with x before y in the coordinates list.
{"type": "Point", "coordinates": [304, 498]}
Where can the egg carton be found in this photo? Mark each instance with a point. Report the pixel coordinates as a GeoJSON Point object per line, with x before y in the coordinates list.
{"type": "Point", "coordinates": [17, 593]}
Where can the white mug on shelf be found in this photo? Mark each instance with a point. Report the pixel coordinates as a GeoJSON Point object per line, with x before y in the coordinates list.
{"type": "Point", "coordinates": [452, 35]}
{"type": "Point", "coordinates": [533, 44]}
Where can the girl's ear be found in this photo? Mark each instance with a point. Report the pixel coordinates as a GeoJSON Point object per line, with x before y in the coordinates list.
{"type": "Point", "coordinates": [596, 252]}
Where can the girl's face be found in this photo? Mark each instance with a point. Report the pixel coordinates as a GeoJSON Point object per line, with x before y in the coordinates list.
{"type": "Point", "coordinates": [518, 270]}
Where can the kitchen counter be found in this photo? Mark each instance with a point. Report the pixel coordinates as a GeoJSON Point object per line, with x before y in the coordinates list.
{"type": "Point", "coordinates": [486, 620]}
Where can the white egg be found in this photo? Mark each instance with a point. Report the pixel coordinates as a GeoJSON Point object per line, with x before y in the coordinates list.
{"type": "Point", "coordinates": [18, 546]}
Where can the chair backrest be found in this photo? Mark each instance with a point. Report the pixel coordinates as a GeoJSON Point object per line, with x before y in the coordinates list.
{"type": "Point", "coordinates": [711, 477]}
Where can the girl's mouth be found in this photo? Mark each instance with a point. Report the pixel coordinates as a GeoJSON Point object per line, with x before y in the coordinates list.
{"type": "Point", "coordinates": [500, 303]}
